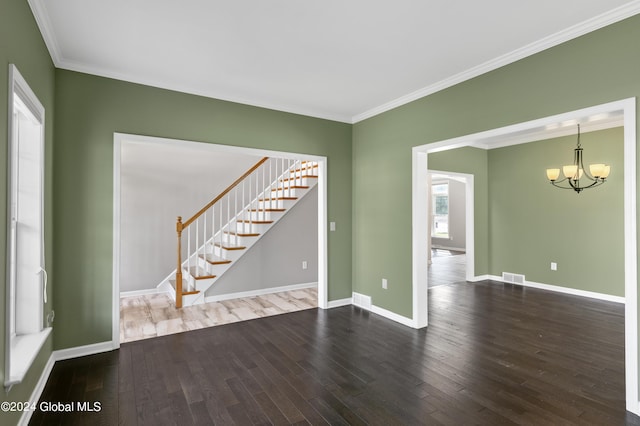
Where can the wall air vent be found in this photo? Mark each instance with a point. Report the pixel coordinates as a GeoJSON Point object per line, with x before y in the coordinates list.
{"type": "Point", "coordinates": [512, 278]}
{"type": "Point", "coordinates": [362, 301]}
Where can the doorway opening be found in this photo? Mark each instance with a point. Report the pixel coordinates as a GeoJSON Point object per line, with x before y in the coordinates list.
{"type": "Point", "coordinates": [126, 146]}
{"type": "Point", "coordinates": [614, 114]}
{"type": "Point", "coordinates": [451, 221]}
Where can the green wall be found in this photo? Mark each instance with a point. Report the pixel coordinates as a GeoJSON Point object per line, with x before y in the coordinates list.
{"type": "Point", "coordinates": [532, 223]}
{"type": "Point", "coordinates": [599, 67]}
{"type": "Point", "coordinates": [21, 44]}
{"type": "Point", "coordinates": [90, 109]}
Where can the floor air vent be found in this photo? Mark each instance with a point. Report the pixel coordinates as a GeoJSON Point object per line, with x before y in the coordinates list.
{"type": "Point", "coordinates": [362, 301]}
{"type": "Point", "coordinates": [511, 278]}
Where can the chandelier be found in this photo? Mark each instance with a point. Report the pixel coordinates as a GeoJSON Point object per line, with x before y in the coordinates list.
{"type": "Point", "coordinates": [575, 175]}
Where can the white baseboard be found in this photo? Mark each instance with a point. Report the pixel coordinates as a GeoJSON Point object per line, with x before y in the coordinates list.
{"type": "Point", "coordinates": [139, 292]}
{"type": "Point", "coordinates": [260, 292]}
{"type": "Point", "coordinates": [340, 302]}
{"type": "Point", "coordinates": [409, 322]}
{"type": "Point", "coordinates": [567, 290]}
{"type": "Point", "coordinates": [37, 391]}
{"type": "Point", "coordinates": [60, 355]}
{"type": "Point", "coordinates": [79, 351]}
{"type": "Point", "coordinates": [480, 278]}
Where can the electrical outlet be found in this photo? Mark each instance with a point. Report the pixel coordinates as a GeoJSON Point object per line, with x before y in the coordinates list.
{"type": "Point", "coordinates": [384, 283]}
{"type": "Point", "coordinates": [554, 266]}
{"type": "Point", "coordinates": [332, 226]}
{"type": "Point", "coordinates": [304, 264]}
{"type": "Point", "coordinates": [50, 317]}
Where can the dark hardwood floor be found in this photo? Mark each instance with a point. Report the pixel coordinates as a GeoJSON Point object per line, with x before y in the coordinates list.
{"type": "Point", "coordinates": [493, 354]}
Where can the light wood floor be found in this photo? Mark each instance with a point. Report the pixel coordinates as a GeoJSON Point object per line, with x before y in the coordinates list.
{"type": "Point", "coordinates": [153, 315]}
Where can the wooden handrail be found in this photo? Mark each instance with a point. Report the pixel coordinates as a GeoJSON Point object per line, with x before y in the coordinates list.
{"type": "Point", "coordinates": [223, 193]}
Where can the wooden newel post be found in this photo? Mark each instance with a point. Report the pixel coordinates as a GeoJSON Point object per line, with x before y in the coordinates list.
{"type": "Point", "coordinates": [179, 267]}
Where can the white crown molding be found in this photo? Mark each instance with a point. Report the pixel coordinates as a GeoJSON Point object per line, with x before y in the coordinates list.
{"type": "Point", "coordinates": [615, 15]}
{"type": "Point", "coordinates": [585, 27]}
{"type": "Point", "coordinates": [44, 24]}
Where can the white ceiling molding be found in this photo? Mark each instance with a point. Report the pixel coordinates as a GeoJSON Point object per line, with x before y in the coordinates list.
{"type": "Point", "coordinates": [327, 108]}
{"type": "Point", "coordinates": [46, 29]}
{"type": "Point", "coordinates": [583, 28]}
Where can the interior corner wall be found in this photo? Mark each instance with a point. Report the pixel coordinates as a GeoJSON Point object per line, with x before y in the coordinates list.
{"type": "Point", "coordinates": [21, 44]}
{"type": "Point", "coordinates": [90, 109]}
{"type": "Point", "coordinates": [593, 69]}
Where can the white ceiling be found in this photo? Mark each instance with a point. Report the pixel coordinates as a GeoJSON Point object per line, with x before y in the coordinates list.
{"type": "Point", "coordinates": [335, 59]}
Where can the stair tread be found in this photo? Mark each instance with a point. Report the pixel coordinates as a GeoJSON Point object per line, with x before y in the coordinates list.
{"type": "Point", "coordinates": [268, 210]}
{"type": "Point", "coordinates": [214, 260]}
{"type": "Point", "coordinates": [298, 177]}
{"type": "Point", "coordinates": [242, 234]}
{"type": "Point", "coordinates": [200, 273]}
{"type": "Point", "coordinates": [278, 198]}
{"type": "Point", "coordinates": [284, 188]}
{"type": "Point", "coordinates": [258, 222]}
{"type": "Point", "coordinates": [312, 166]}
{"type": "Point", "coordinates": [228, 246]}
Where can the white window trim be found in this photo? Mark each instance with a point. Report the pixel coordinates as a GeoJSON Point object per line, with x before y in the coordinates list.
{"type": "Point", "coordinates": [21, 351]}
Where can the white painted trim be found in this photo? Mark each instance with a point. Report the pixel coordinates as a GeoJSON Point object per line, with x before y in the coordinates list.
{"type": "Point", "coordinates": [618, 14]}
{"type": "Point", "coordinates": [565, 290]}
{"type": "Point", "coordinates": [78, 351]}
{"type": "Point", "coordinates": [477, 278]}
{"type": "Point", "coordinates": [600, 21]}
{"type": "Point", "coordinates": [37, 391]}
{"type": "Point", "coordinates": [55, 356]}
{"type": "Point", "coordinates": [628, 108]}
{"type": "Point", "coordinates": [323, 246]}
{"type": "Point", "coordinates": [41, 17]}
{"type": "Point", "coordinates": [120, 138]}
{"type": "Point", "coordinates": [115, 277]}
{"type": "Point", "coordinates": [409, 322]}
{"type": "Point", "coordinates": [630, 257]}
{"type": "Point", "coordinates": [31, 343]}
{"type": "Point", "coordinates": [421, 238]}
{"type": "Point", "coordinates": [340, 302]}
{"type": "Point", "coordinates": [260, 292]}
{"type": "Point", "coordinates": [134, 293]}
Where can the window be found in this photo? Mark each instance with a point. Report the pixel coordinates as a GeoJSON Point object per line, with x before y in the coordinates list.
{"type": "Point", "coordinates": [26, 276]}
{"type": "Point", "coordinates": [440, 210]}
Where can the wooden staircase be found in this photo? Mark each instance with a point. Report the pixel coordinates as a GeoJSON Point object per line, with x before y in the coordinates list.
{"type": "Point", "coordinates": [216, 237]}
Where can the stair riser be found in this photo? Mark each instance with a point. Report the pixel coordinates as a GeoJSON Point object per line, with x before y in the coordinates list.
{"type": "Point", "coordinates": [262, 215]}
{"type": "Point", "coordinates": [305, 181]}
{"type": "Point", "coordinates": [232, 255]}
{"type": "Point", "coordinates": [242, 241]}
{"type": "Point", "coordinates": [253, 228]}
{"type": "Point", "coordinates": [277, 204]}
{"type": "Point", "coordinates": [216, 270]}
{"type": "Point", "coordinates": [303, 173]}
